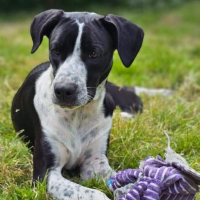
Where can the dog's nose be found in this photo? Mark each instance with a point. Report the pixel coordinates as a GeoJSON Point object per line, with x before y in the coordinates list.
{"type": "Point", "coordinates": [65, 92]}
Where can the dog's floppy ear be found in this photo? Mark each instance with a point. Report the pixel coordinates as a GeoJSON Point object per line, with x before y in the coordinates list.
{"type": "Point", "coordinates": [43, 24]}
{"type": "Point", "coordinates": [127, 36]}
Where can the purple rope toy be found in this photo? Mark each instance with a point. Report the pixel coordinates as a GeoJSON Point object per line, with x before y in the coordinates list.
{"type": "Point", "coordinates": [157, 179]}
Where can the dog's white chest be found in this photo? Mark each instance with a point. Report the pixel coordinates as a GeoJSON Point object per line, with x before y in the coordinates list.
{"type": "Point", "coordinates": [70, 132]}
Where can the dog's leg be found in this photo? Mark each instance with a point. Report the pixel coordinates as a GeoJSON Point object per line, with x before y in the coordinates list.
{"type": "Point", "coordinates": [126, 98]}
{"type": "Point", "coordinates": [43, 159]}
{"type": "Point", "coordinates": [96, 163]}
{"type": "Point", "coordinates": [153, 92]}
{"type": "Point", "coordinates": [63, 189]}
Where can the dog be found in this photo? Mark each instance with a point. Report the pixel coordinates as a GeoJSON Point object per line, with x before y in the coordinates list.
{"type": "Point", "coordinates": [64, 108]}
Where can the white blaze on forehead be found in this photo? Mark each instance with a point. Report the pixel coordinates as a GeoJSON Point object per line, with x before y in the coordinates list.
{"type": "Point", "coordinates": [77, 47]}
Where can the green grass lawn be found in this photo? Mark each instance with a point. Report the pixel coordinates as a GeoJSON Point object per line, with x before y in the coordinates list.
{"type": "Point", "coordinates": [169, 58]}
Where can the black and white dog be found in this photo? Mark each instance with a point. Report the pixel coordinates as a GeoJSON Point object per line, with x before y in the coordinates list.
{"type": "Point", "coordinates": [65, 106]}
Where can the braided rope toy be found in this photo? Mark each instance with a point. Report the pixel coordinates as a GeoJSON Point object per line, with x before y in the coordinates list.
{"type": "Point", "coordinates": [157, 179]}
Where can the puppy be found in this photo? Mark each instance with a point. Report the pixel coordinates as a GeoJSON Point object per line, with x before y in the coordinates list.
{"type": "Point", "coordinates": [65, 106]}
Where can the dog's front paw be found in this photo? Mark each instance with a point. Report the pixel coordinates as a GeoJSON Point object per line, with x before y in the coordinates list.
{"type": "Point", "coordinates": [77, 193]}
{"type": "Point", "coordinates": [92, 194]}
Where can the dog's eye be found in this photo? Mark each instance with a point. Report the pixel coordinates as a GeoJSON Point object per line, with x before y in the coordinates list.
{"type": "Point", "coordinates": [93, 54]}
{"type": "Point", "coordinates": [56, 51]}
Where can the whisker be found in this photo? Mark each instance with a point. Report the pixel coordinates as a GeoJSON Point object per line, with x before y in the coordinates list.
{"type": "Point", "coordinates": [90, 93]}
{"type": "Point", "coordinates": [89, 97]}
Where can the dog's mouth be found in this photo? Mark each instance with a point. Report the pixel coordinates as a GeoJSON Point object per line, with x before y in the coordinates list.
{"type": "Point", "coordinates": [70, 107]}
{"type": "Point", "coordinates": [67, 106]}
{"type": "Point", "coordinates": [72, 103]}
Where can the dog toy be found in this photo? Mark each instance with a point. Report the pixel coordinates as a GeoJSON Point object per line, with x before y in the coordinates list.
{"type": "Point", "coordinates": [157, 179]}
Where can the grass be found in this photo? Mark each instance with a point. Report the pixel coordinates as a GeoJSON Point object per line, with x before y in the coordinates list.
{"type": "Point", "coordinates": [169, 58]}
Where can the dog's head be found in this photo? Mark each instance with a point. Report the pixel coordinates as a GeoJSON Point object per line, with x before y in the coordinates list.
{"type": "Point", "coordinates": [81, 47]}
